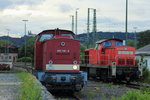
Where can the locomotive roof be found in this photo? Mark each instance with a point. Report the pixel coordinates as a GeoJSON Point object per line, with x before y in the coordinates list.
{"type": "Point", "coordinates": [101, 41]}
{"type": "Point", "coordinates": [55, 30]}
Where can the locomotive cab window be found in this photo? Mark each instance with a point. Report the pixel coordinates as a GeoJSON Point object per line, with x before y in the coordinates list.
{"type": "Point", "coordinates": [107, 44]}
{"type": "Point", "coordinates": [118, 43]}
{"type": "Point", "coordinates": [66, 34]}
{"type": "Point", "coordinates": [45, 36]}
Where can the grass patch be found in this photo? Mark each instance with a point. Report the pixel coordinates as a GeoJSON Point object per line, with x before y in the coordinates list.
{"type": "Point", "coordinates": [91, 95]}
{"type": "Point", "coordinates": [62, 99]}
{"type": "Point", "coordinates": [120, 86]}
{"type": "Point", "coordinates": [110, 84]}
{"type": "Point", "coordinates": [29, 90]}
{"type": "Point", "coordinates": [103, 97]}
{"type": "Point", "coordinates": [145, 90]}
{"type": "Point", "coordinates": [134, 95]}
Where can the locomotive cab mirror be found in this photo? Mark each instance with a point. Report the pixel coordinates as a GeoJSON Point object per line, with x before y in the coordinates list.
{"type": "Point", "coordinates": [103, 50]}
{"type": "Point", "coordinates": [97, 46]}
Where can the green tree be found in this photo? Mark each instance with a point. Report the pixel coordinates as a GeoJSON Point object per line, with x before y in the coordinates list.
{"type": "Point", "coordinates": [2, 42]}
{"type": "Point", "coordinates": [143, 38]}
{"type": "Point", "coordinates": [130, 43]}
{"type": "Point", "coordinates": [82, 48]}
{"type": "Point", "coordinates": [29, 48]}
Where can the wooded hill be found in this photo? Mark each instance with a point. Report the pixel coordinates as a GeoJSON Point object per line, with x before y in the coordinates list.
{"type": "Point", "coordinates": [83, 37]}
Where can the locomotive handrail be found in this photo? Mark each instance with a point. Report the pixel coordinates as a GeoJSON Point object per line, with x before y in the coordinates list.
{"type": "Point", "coordinates": [106, 60]}
{"type": "Point", "coordinates": [82, 58]}
{"type": "Point", "coordinates": [99, 61]}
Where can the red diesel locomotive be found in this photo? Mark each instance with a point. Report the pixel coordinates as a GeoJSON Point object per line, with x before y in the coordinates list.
{"type": "Point", "coordinates": [111, 60]}
{"type": "Point", "coordinates": [56, 62]}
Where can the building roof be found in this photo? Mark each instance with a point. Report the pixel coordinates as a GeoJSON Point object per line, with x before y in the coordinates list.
{"type": "Point", "coordinates": [144, 50]}
{"type": "Point", "coordinates": [8, 45]}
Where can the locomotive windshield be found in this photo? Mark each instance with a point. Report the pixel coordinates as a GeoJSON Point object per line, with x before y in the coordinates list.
{"type": "Point", "coordinates": [118, 43]}
{"type": "Point", "coordinates": [67, 34]}
{"type": "Point", "coordinates": [45, 36]}
{"type": "Point", "coordinates": [107, 44]}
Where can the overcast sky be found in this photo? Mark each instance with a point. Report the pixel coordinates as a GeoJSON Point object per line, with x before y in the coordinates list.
{"type": "Point", "coordinates": [50, 14]}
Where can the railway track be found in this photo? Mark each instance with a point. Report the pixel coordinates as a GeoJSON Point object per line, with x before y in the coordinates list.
{"type": "Point", "coordinates": [76, 98]}
{"type": "Point", "coordinates": [65, 95]}
{"type": "Point", "coordinates": [11, 71]}
{"type": "Point", "coordinates": [133, 85]}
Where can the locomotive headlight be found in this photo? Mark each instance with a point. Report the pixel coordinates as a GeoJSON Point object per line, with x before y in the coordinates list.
{"type": "Point", "coordinates": [75, 62]}
{"type": "Point", "coordinates": [75, 67]}
{"type": "Point", "coordinates": [50, 62]}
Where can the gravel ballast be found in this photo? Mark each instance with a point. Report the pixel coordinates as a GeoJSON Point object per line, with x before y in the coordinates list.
{"type": "Point", "coordinates": [101, 91]}
{"type": "Point", "coordinates": [10, 85]}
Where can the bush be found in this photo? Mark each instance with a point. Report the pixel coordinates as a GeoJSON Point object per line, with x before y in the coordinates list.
{"type": "Point", "coordinates": [145, 89]}
{"type": "Point", "coordinates": [146, 75]}
{"type": "Point", "coordinates": [23, 59]}
{"type": "Point", "coordinates": [29, 90]}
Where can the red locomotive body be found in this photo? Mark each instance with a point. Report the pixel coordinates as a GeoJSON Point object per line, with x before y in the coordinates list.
{"type": "Point", "coordinates": [57, 60]}
{"type": "Point", "coordinates": [56, 48]}
{"type": "Point", "coordinates": [110, 59]}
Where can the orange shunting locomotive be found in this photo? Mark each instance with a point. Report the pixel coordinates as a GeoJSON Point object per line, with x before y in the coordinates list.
{"type": "Point", "coordinates": [110, 59]}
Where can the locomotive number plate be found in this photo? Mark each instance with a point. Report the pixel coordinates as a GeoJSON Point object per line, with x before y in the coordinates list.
{"type": "Point", "coordinates": [63, 51]}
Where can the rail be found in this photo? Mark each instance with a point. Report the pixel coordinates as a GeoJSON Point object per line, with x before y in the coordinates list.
{"type": "Point", "coordinates": [24, 67]}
